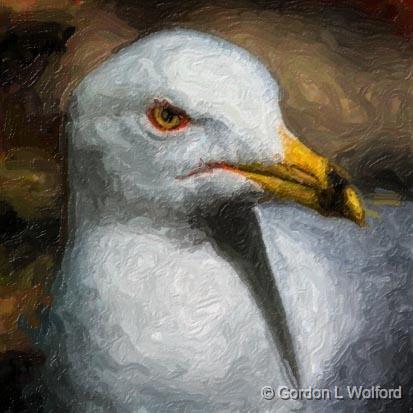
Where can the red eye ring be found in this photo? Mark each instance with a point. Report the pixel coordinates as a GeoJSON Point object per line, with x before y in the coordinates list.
{"type": "Point", "coordinates": [166, 117]}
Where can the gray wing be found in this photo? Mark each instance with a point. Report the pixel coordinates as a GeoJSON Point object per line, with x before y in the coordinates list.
{"type": "Point", "coordinates": [348, 299]}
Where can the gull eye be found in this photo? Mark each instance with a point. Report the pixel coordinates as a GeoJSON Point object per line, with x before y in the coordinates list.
{"type": "Point", "coordinates": [167, 117]}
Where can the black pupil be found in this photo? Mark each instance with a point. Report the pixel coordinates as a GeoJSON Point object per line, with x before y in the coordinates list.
{"type": "Point", "coordinates": [167, 115]}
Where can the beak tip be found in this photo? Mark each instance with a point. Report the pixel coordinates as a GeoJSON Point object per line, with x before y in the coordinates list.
{"type": "Point", "coordinates": [353, 207]}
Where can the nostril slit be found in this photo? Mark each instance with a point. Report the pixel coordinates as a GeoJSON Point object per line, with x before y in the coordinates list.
{"type": "Point", "coordinates": [336, 181]}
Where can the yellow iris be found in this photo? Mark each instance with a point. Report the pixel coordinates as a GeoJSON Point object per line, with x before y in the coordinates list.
{"type": "Point", "coordinates": [165, 118]}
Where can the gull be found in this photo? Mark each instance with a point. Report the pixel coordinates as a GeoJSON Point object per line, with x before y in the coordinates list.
{"type": "Point", "coordinates": [166, 299]}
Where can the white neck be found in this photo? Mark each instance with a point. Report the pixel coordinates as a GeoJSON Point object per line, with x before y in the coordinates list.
{"type": "Point", "coordinates": [95, 201]}
{"type": "Point", "coordinates": [178, 310]}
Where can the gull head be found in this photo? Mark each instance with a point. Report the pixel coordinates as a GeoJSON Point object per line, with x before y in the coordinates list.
{"type": "Point", "coordinates": [184, 120]}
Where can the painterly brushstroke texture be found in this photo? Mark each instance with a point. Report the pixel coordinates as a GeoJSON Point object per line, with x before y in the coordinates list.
{"type": "Point", "coordinates": [344, 70]}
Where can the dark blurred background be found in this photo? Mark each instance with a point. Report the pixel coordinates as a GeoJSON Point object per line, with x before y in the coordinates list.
{"type": "Point", "coordinates": [346, 72]}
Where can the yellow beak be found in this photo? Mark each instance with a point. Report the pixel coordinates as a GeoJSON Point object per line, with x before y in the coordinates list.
{"type": "Point", "coordinates": [309, 179]}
